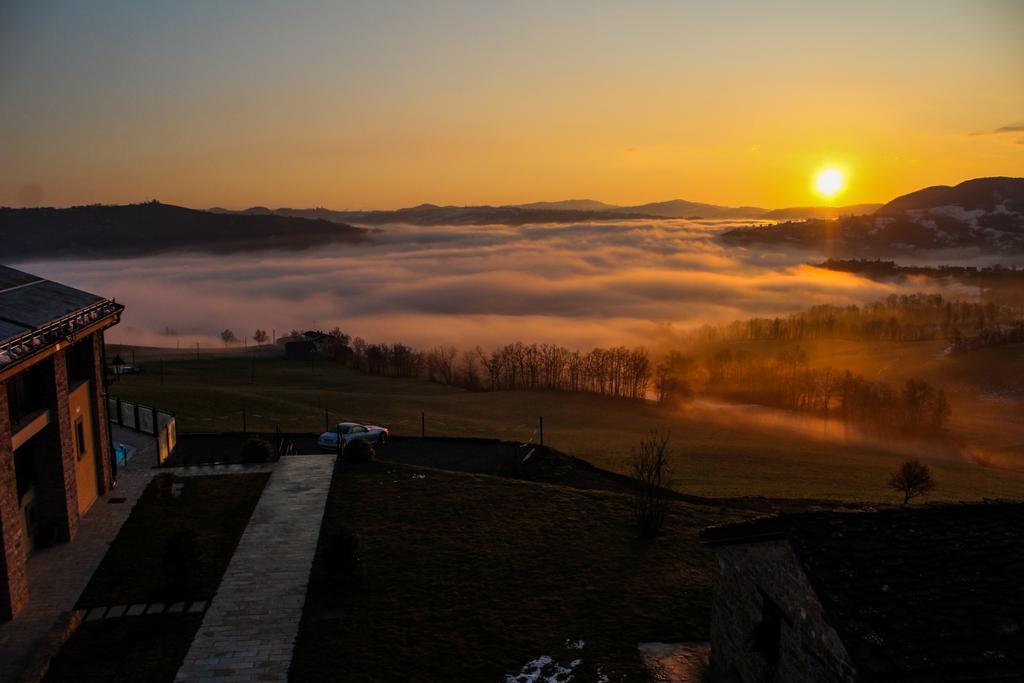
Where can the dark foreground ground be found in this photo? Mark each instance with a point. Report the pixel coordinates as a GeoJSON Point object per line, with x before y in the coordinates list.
{"type": "Point", "coordinates": [465, 577]}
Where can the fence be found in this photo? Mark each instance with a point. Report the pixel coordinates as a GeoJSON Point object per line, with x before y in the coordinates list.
{"type": "Point", "coordinates": [247, 420]}
{"type": "Point", "coordinates": [147, 420]}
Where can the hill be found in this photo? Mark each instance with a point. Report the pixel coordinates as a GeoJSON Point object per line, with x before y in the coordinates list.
{"type": "Point", "coordinates": [108, 231]}
{"type": "Point", "coordinates": [808, 212]}
{"type": "Point", "coordinates": [991, 195]}
{"type": "Point", "coordinates": [984, 215]}
{"type": "Point", "coordinates": [571, 205]}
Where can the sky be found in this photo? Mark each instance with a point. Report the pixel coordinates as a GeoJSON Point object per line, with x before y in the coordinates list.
{"type": "Point", "coordinates": [383, 104]}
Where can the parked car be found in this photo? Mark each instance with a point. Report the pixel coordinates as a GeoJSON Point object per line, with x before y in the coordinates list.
{"type": "Point", "coordinates": [328, 441]}
{"type": "Point", "coordinates": [125, 369]}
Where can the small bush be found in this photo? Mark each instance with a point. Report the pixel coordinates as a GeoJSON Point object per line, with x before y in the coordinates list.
{"type": "Point", "coordinates": [164, 483]}
{"type": "Point", "coordinates": [341, 554]}
{"type": "Point", "coordinates": [358, 450]}
{"type": "Point", "coordinates": [182, 558]}
{"type": "Point", "coordinates": [257, 450]}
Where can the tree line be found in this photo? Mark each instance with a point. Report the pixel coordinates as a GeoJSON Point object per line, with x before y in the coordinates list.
{"type": "Point", "coordinates": [906, 317]}
{"type": "Point", "coordinates": [784, 380]}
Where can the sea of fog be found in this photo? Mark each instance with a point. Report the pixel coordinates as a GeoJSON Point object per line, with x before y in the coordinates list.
{"type": "Point", "coordinates": [583, 285]}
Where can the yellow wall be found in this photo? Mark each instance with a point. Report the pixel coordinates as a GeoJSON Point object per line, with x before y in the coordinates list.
{"type": "Point", "coordinates": [79, 406]}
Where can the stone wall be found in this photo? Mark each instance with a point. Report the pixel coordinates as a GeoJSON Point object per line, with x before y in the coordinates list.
{"type": "Point", "coordinates": [13, 548]}
{"type": "Point", "coordinates": [809, 649]}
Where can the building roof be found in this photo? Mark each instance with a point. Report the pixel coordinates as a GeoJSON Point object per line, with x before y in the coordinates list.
{"type": "Point", "coordinates": [927, 593]}
{"type": "Point", "coordinates": [36, 312]}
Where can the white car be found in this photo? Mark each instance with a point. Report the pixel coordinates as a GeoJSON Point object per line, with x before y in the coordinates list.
{"type": "Point", "coordinates": [328, 441]}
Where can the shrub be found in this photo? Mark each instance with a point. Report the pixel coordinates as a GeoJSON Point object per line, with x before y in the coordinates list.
{"type": "Point", "coordinates": [182, 558]}
{"type": "Point", "coordinates": [340, 556]}
{"type": "Point", "coordinates": [358, 450]}
{"type": "Point", "coordinates": [257, 450]}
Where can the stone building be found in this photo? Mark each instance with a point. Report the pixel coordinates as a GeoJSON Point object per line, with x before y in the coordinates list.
{"type": "Point", "coordinates": [55, 449]}
{"type": "Point", "coordinates": [932, 593]}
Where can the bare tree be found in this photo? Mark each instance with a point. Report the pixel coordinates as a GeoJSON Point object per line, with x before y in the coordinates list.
{"type": "Point", "coordinates": [651, 469]}
{"type": "Point", "coordinates": [227, 336]}
{"type": "Point", "coordinates": [912, 479]}
{"type": "Point", "coordinates": [260, 336]}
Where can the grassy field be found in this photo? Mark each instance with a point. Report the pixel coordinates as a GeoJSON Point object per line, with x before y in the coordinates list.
{"type": "Point", "coordinates": [715, 454]}
{"type": "Point", "coordinates": [469, 578]}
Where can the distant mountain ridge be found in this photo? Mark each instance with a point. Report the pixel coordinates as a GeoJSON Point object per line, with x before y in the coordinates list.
{"type": "Point", "coordinates": [567, 211]}
{"type": "Point", "coordinates": [984, 214]}
{"type": "Point", "coordinates": [117, 231]}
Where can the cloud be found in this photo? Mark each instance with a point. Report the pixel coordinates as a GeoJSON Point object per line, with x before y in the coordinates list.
{"type": "Point", "coordinates": [1003, 130]}
{"type": "Point", "coordinates": [633, 283]}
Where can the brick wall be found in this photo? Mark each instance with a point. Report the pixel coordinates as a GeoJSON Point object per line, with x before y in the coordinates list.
{"type": "Point", "coordinates": [810, 649]}
{"type": "Point", "coordinates": [104, 452]}
{"type": "Point", "coordinates": [13, 548]}
{"type": "Point", "coordinates": [57, 474]}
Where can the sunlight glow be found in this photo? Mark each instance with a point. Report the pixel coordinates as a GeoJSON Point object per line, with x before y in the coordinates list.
{"type": "Point", "coordinates": [829, 182]}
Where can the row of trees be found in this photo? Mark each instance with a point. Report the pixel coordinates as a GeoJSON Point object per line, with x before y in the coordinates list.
{"type": "Point", "coordinates": [908, 317]}
{"type": "Point", "coordinates": [786, 381]}
{"type": "Point", "coordinates": [997, 335]}
{"type": "Point", "coordinates": [618, 371]}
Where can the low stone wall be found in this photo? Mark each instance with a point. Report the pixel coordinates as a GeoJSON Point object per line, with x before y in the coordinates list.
{"type": "Point", "coordinates": [809, 649]}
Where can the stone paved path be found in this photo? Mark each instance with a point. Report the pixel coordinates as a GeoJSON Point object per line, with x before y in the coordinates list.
{"type": "Point", "coordinates": [58, 575]}
{"type": "Point", "coordinates": [249, 630]}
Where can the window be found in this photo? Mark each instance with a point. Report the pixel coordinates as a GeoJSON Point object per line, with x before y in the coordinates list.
{"type": "Point", "coordinates": [80, 437]}
{"type": "Point", "coordinates": [358, 430]}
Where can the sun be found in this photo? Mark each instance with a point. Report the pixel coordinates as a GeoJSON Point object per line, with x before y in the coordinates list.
{"type": "Point", "coordinates": [829, 182]}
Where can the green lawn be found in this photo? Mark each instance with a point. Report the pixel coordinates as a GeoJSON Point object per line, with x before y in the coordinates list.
{"type": "Point", "coordinates": [716, 455]}
{"type": "Point", "coordinates": [469, 577]}
{"type": "Point", "coordinates": [215, 508]}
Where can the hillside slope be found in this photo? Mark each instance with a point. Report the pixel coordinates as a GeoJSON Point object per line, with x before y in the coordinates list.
{"type": "Point", "coordinates": [985, 215]}
{"type": "Point", "coordinates": [144, 229]}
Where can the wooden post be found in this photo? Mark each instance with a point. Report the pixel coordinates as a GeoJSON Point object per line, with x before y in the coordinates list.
{"type": "Point", "coordinates": [423, 425]}
{"type": "Point", "coordinates": [244, 430]}
{"type": "Point", "coordinates": [541, 419]}
{"type": "Point", "coordinates": [326, 420]}
{"type": "Point", "coordinates": [197, 350]}
{"type": "Point", "coordinates": [341, 442]}
{"type": "Point", "coordinates": [161, 372]}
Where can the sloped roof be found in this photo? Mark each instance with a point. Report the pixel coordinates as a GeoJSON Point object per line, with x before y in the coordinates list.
{"type": "Point", "coordinates": [35, 311]}
{"type": "Point", "coordinates": [930, 593]}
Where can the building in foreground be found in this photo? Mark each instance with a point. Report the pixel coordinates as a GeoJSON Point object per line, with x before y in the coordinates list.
{"type": "Point", "coordinates": [55, 449]}
{"type": "Point", "coordinates": [932, 593]}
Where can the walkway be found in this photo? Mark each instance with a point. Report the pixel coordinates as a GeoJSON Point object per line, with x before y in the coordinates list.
{"type": "Point", "coordinates": [249, 630]}
{"type": "Point", "coordinates": [58, 575]}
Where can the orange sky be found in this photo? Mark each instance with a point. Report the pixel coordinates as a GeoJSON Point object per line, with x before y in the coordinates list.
{"type": "Point", "coordinates": [387, 104]}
